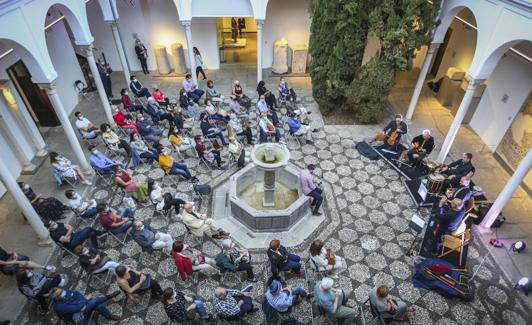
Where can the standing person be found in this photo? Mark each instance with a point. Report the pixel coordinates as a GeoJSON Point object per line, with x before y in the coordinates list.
{"type": "Point", "coordinates": [241, 25]}
{"type": "Point", "coordinates": [199, 63]}
{"type": "Point", "coordinates": [142, 55]}
{"type": "Point", "coordinates": [234, 27]}
{"type": "Point", "coordinates": [105, 74]}
{"type": "Point", "coordinates": [311, 188]}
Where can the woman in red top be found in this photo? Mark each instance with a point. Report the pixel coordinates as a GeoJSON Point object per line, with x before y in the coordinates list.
{"type": "Point", "coordinates": [124, 121]}
{"type": "Point", "coordinates": [128, 104]}
{"type": "Point", "coordinates": [188, 260]}
{"type": "Point", "coordinates": [136, 190]}
{"type": "Point", "coordinates": [158, 95]}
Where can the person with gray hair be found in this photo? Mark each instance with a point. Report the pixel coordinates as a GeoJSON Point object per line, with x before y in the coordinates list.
{"type": "Point", "coordinates": [422, 146]}
{"type": "Point", "coordinates": [333, 301]}
{"type": "Point", "coordinates": [389, 306]}
{"type": "Point", "coordinates": [232, 304]}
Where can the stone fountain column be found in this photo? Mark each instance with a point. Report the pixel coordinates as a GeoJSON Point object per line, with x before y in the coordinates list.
{"type": "Point", "coordinates": [269, 179]}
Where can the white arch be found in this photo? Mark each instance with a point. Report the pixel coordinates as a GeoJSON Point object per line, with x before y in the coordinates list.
{"type": "Point", "coordinates": [76, 16]}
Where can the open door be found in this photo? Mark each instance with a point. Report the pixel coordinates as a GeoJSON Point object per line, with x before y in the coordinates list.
{"type": "Point", "coordinates": [441, 53]}
{"type": "Point", "coordinates": [35, 98]}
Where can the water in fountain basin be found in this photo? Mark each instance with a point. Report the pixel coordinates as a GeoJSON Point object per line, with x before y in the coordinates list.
{"type": "Point", "coordinates": [262, 157]}
{"type": "Point", "coordinates": [254, 193]}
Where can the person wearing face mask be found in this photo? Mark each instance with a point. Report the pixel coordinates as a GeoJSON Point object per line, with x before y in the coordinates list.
{"type": "Point", "coordinates": [163, 201]}
{"type": "Point", "coordinates": [148, 130]}
{"type": "Point", "coordinates": [104, 70]}
{"type": "Point", "coordinates": [66, 168]}
{"type": "Point", "coordinates": [216, 113]}
{"type": "Point", "coordinates": [200, 225]}
{"type": "Point", "coordinates": [211, 155]}
{"type": "Point", "coordinates": [83, 208]}
{"type": "Point", "coordinates": [213, 94]}
{"type": "Point", "coordinates": [137, 88]}
{"type": "Point", "coordinates": [267, 128]}
{"type": "Point", "coordinates": [180, 143]}
{"type": "Point", "coordinates": [240, 111]}
{"type": "Point", "coordinates": [235, 258]}
{"type": "Point", "coordinates": [158, 95]}
{"type": "Point", "coordinates": [192, 89]}
{"type": "Point", "coordinates": [128, 104]}
{"type": "Point", "coordinates": [138, 191]}
{"type": "Point", "coordinates": [241, 129]}
{"type": "Point", "coordinates": [236, 149]}
{"type": "Point", "coordinates": [75, 306]}
{"type": "Point", "coordinates": [113, 140]}
{"type": "Point", "coordinates": [94, 261]}
{"type": "Point", "coordinates": [100, 162]}
{"type": "Point", "coordinates": [147, 237]}
{"type": "Point", "coordinates": [284, 92]}
{"type": "Point", "coordinates": [268, 95]}
{"type": "Point", "coordinates": [85, 127]}
{"type": "Point", "coordinates": [65, 235]}
{"type": "Point", "coordinates": [171, 167]}
{"type": "Point", "coordinates": [118, 225]}
{"type": "Point", "coordinates": [311, 188]}
{"type": "Point", "coordinates": [175, 306]}
{"type": "Point", "coordinates": [33, 284]}
{"type": "Point", "coordinates": [238, 92]}
{"type": "Point", "coordinates": [142, 55]}
{"type": "Point", "coordinates": [124, 120]}
{"type": "Point", "coordinates": [209, 130]}
{"type": "Point", "coordinates": [189, 260]}
{"type": "Point", "coordinates": [188, 104]}
{"type": "Point", "coordinates": [137, 144]}
{"type": "Point", "coordinates": [48, 208]}
{"type": "Point", "coordinates": [262, 106]}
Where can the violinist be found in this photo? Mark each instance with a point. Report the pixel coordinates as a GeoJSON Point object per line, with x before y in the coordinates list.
{"type": "Point", "coordinates": [456, 170]}
{"type": "Point", "coordinates": [395, 130]}
{"type": "Point", "coordinates": [422, 146]}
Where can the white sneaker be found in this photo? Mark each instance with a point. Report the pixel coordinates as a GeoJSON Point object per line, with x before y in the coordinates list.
{"type": "Point", "coordinates": [50, 268]}
{"type": "Point", "coordinates": [86, 182]}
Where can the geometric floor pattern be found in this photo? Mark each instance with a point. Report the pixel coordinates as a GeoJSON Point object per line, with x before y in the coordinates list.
{"type": "Point", "coordinates": [368, 210]}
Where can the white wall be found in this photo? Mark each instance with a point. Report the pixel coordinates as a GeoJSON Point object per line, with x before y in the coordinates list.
{"type": "Point", "coordinates": [288, 19]}
{"type": "Point", "coordinates": [513, 77]}
{"type": "Point", "coordinates": [65, 63]}
{"type": "Point", "coordinates": [460, 50]}
{"type": "Point", "coordinates": [8, 156]}
{"type": "Point", "coordinates": [204, 38]}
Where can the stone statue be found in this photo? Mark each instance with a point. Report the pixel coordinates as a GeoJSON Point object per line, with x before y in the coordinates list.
{"type": "Point", "coordinates": [280, 56]}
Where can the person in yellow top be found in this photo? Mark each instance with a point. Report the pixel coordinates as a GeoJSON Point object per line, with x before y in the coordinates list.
{"type": "Point", "coordinates": [179, 142]}
{"type": "Point", "coordinates": [171, 167]}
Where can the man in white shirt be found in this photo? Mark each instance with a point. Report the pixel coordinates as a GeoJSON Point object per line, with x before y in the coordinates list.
{"type": "Point", "coordinates": [84, 208]}
{"type": "Point", "coordinates": [192, 89]}
{"type": "Point", "coordinates": [87, 129]}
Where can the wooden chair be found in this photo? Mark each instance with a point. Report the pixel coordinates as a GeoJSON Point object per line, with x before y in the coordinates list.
{"type": "Point", "coordinates": [457, 240]}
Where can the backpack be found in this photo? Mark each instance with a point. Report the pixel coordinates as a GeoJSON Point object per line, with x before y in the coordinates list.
{"type": "Point", "coordinates": [366, 150]}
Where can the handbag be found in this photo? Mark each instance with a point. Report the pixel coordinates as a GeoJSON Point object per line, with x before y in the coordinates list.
{"type": "Point", "coordinates": [331, 258]}
{"type": "Point", "coordinates": [215, 144]}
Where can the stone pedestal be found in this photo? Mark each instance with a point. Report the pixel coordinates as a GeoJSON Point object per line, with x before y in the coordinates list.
{"type": "Point", "coordinates": [163, 66]}
{"type": "Point", "coordinates": [280, 56]}
{"type": "Point", "coordinates": [269, 189]}
{"type": "Point", "coordinates": [299, 58]}
{"type": "Point", "coordinates": [178, 58]}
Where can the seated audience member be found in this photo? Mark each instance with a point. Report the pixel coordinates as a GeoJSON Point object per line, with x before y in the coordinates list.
{"type": "Point", "coordinates": [241, 129]}
{"type": "Point", "coordinates": [282, 299]}
{"type": "Point", "coordinates": [48, 208]}
{"type": "Point", "coordinates": [334, 301]}
{"type": "Point", "coordinates": [282, 261]}
{"type": "Point", "coordinates": [158, 95]}
{"type": "Point", "coordinates": [135, 284]}
{"type": "Point", "coordinates": [325, 259]}
{"type": "Point", "coordinates": [213, 94]}
{"type": "Point", "coordinates": [422, 146]}
{"type": "Point", "coordinates": [234, 258]}
{"type": "Point", "coordinates": [34, 284]}
{"type": "Point", "coordinates": [268, 95]}
{"type": "Point", "coordinates": [142, 149]}
{"type": "Point", "coordinates": [85, 127]}
{"type": "Point", "coordinates": [147, 237]}
{"type": "Point", "coordinates": [11, 262]}
{"type": "Point", "coordinates": [199, 224]}
{"type": "Point", "coordinates": [113, 140]}
{"type": "Point", "coordinates": [64, 234]}
{"type": "Point", "coordinates": [163, 201]}
{"type": "Point", "coordinates": [238, 92]}
{"type": "Point", "coordinates": [387, 305]}
{"type": "Point", "coordinates": [125, 121]}
{"type": "Point", "coordinates": [182, 120]}
{"type": "Point", "coordinates": [188, 104]}
{"type": "Point", "coordinates": [192, 89]}
{"type": "Point", "coordinates": [311, 188]}
{"type": "Point", "coordinates": [75, 306]}
{"type": "Point", "coordinates": [175, 306]}
{"type": "Point", "coordinates": [216, 113]}
{"type": "Point", "coordinates": [94, 261]}
{"type": "Point", "coordinates": [236, 149]}
{"type": "Point", "coordinates": [138, 191]}
{"type": "Point", "coordinates": [239, 111]}
{"type": "Point", "coordinates": [188, 260]}
{"type": "Point", "coordinates": [128, 104]}
{"type": "Point", "coordinates": [266, 129]}
{"type": "Point", "coordinates": [211, 155]}
{"type": "Point", "coordinates": [83, 208]}
{"type": "Point", "coordinates": [298, 129]}
{"type": "Point", "coordinates": [262, 107]}
{"type": "Point", "coordinates": [233, 304]}
{"type": "Point", "coordinates": [113, 223]}
{"type": "Point", "coordinates": [66, 168]}
{"type": "Point", "coordinates": [171, 167]}
{"type": "Point", "coordinates": [100, 162]}
{"type": "Point", "coordinates": [457, 169]}
{"type": "Point", "coordinates": [137, 88]}
{"type": "Point", "coordinates": [157, 112]}
{"type": "Point", "coordinates": [209, 130]}
{"type": "Point", "coordinates": [285, 92]}
{"type": "Point", "coordinates": [179, 142]}
{"type": "Point", "coordinates": [148, 130]}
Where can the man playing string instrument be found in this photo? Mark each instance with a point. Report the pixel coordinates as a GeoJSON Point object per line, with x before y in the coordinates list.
{"type": "Point", "coordinates": [456, 170]}
{"type": "Point", "coordinates": [422, 147]}
{"type": "Point", "coordinates": [395, 128]}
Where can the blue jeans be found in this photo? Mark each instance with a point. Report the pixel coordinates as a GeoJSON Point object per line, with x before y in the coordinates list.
{"type": "Point", "coordinates": [218, 134]}
{"type": "Point", "coordinates": [180, 169]}
{"type": "Point", "coordinates": [264, 138]}
{"type": "Point", "coordinates": [81, 236]}
{"type": "Point", "coordinates": [196, 94]}
{"type": "Point", "coordinates": [200, 308]}
{"type": "Point", "coordinates": [293, 263]}
{"type": "Point", "coordinates": [219, 117]}
{"type": "Point", "coordinates": [246, 307]}
{"type": "Point", "coordinates": [98, 304]}
{"type": "Point", "coordinates": [150, 155]}
{"type": "Point", "coordinates": [89, 213]}
{"type": "Point", "coordinates": [127, 213]}
{"type": "Point", "coordinates": [298, 292]}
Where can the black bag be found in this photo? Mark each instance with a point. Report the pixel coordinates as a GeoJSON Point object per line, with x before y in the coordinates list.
{"type": "Point", "coordinates": [366, 150]}
{"type": "Point", "coordinates": [202, 189]}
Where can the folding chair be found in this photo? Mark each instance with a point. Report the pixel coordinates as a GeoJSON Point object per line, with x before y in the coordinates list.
{"type": "Point", "coordinates": [98, 276]}
{"type": "Point", "coordinates": [323, 317]}
{"type": "Point", "coordinates": [83, 222]}
{"type": "Point", "coordinates": [144, 296]}
{"type": "Point", "coordinates": [293, 136]}
{"type": "Point", "coordinates": [72, 181]}
{"type": "Point", "coordinates": [236, 274]}
{"type": "Point", "coordinates": [121, 241]}
{"type": "Point", "coordinates": [67, 319]}
{"type": "Point", "coordinates": [376, 315]}
{"type": "Point", "coordinates": [65, 249]}
{"type": "Point", "coordinates": [105, 177]}
{"type": "Point", "coordinates": [34, 304]}
{"type": "Point", "coordinates": [90, 141]}
{"type": "Point", "coordinates": [226, 321]}
{"type": "Point", "coordinates": [111, 151]}
{"type": "Point", "coordinates": [82, 89]}
{"type": "Point", "coordinates": [315, 269]}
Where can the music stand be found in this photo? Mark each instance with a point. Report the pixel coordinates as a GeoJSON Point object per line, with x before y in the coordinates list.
{"type": "Point", "coordinates": [416, 223]}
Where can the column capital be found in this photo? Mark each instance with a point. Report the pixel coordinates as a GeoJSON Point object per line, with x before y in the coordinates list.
{"type": "Point", "coordinates": [87, 49]}
{"type": "Point", "coordinates": [186, 23]}
{"type": "Point", "coordinates": [113, 24]}
{"type": "Point", "coordinates": [260, 23]}
{"type": "Point", "coordinates": [473, 82]}
{"type": "Point", "coordinates": [50, 87]}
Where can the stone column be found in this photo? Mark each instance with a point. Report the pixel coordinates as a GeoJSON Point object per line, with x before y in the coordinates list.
{"type": "Point", "coordinates": [260, 24]}
{"type": "Point", "coordinates": [462, 110]}
{"type": "Point", "coordinates": [178, 58]}
{"type": "Point", "coordinates": [188, 34]}
{"type": "Point", "coordinates": [505, 195]}
{"type": "Point", "coordinates": [27, 166]}
{"type": "Point", "coordinates": [161, 58]}
{"type": "Point", "coordinates": [269, 189]}
{"type": "Point", "coordinates": [121, 54]}
{"type": "Point", "coordinates": [421, 80]}
{"type": "Point", "coordinates": [99, 84]}
{"type": "Point", "coordinates": [65, 123]}
{"type": "Point", "coordinates": [35, 222]}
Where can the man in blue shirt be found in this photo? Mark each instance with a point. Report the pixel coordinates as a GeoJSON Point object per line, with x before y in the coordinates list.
{"type": "Point", "coordinates": [299, 129]}
{"type": "Point", "coordinates": [75, 306]}
{"type": "Point", "coordinates": [100, 162]}
{"type": "Point", "coordinates": [333, 300]}
{"type": "Point", "coordinates": [282, 299]}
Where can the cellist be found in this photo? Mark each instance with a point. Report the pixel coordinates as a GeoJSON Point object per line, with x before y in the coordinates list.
{"type": "Point", "coordinates": [398, 126]}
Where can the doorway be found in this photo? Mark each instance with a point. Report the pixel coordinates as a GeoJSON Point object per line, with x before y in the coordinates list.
{"type": "Point", "coordinates": [35, 98]}
{"type": "Point", "coordinates": [237, 39]}
{"type": "Point", "coordinates": [441, 52]}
